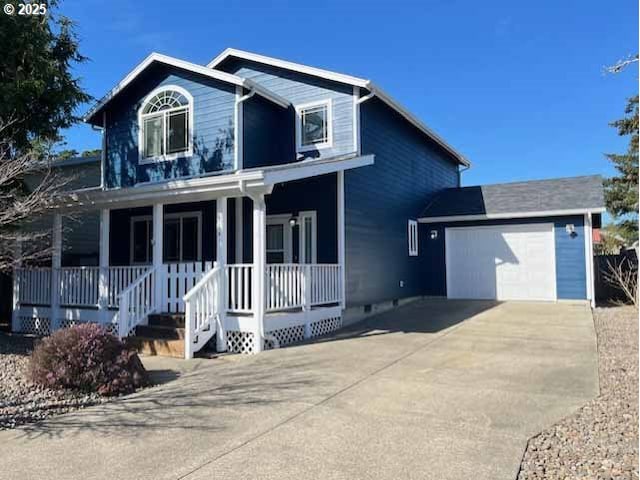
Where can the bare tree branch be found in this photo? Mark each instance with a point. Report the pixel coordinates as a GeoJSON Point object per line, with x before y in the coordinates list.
{"type": "Point", "coordinates": [620, 65]}
{"type": "Point", "coordinates": [623, 275]}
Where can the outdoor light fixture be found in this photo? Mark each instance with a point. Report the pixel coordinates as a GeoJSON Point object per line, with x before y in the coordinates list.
{"type": "Point", "coordinates": [292, 221]}
{"type": "Point", "coordinates": [571, 229]}
{"type": "Point", "coordinates": [434, 234]}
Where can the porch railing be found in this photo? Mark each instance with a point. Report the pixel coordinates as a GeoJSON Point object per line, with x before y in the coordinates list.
{"type": "Point", "coordinates": [178, 279]}
{"type": "Point", "coordinates": [203, 307]}
{"type": "Point", "coordinates": [136, 302]}
{"type": "Point", "coordinates": [33, 285]}
{"type": "Point", "coordinates": [287, 286]}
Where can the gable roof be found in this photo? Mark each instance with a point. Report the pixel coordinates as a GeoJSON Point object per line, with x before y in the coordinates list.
{"type": "Point", "coordinates": [341, 78]}
{"type": "Point", "coordinates": [557, 196]}
{"type": "Point", "coordinates": [188, 66]}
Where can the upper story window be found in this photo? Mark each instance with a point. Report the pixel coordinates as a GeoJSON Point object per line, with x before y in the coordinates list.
{"type": "Point", "coordinates": [165, 121]}
{"type": "Point", "coordinates": [313, 129]}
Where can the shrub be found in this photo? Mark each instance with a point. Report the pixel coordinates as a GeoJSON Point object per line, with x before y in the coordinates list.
{"type": "Point", "coordinates": [87, 358]}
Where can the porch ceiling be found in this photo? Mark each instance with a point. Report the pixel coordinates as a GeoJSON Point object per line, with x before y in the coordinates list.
{"type": "Point", "coordinates": [249, 182]}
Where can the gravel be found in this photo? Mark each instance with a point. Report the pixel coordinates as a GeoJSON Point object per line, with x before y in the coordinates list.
{"type": "Point", "coordinates": [22, 402]}
{"type": "Point", "coordinates": [600, 441]}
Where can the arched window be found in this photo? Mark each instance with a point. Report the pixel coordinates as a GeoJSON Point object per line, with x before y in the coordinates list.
{"type": "Point", "coordinates": [165, 124]}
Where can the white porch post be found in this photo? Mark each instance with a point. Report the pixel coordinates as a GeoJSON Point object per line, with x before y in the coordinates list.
{"type": "Point", "coordinates": [15, 312]}
{"type": "Point", "coordinates": [341, 239]}
{"type": "Point", "coordinates": [239, 230]}
{"type": "Point", "coordinates": [259, 261]}
{"type": "Point", "coordinates": [221, 258]}
{"type": "Point", "coordinates": [56, 264]}
{"type": "Point", "coordinates": [103, 282]}
{"type": "Point", "coordinates": [158, 223]}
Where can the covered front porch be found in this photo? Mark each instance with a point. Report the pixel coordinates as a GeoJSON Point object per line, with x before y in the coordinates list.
{"type": "Point", "coordinates": [258, 267]}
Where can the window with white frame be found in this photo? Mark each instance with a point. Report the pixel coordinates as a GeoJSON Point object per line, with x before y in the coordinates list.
{"type": "Point", "coordinates": [182, 237]}
{"type": "Point", "coordinates": [313, 129]}
{"type": "Point", "coordinates": [413, 238]}
{"type": "Point", "coordinates": [165, 125]}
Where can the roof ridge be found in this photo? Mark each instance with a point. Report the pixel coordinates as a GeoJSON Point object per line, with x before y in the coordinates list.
{"type": "Point", "coordinates": [536, 180]}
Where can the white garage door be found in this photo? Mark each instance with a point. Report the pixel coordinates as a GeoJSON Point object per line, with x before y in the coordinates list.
{"type": "Point", "coordinates": [505, 262]}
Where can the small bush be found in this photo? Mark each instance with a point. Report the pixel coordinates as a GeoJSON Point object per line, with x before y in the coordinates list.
{"type": "Point", "coordinates": [87, 358]}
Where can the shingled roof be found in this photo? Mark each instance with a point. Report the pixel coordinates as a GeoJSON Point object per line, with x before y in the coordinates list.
{"type": "Point", "coordinates": [519, 199]}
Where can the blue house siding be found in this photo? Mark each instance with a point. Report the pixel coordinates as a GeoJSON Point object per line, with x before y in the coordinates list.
{"type": "Point", "coordinates": [379, 201]}
{"type": "Point", "coordinates": [299, 89]}
{"type": "Point", "coordinates": [268, 133]}
{"type": "Point", "coordinates": [315, 193]}
{"type": "Point", "coordinates": [213, 129]}
{"type": "Point", "coordinates": [570, 259]}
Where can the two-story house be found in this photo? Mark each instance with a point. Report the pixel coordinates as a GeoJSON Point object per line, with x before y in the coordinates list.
{"type": "Point", "coordinates": [262, 202]}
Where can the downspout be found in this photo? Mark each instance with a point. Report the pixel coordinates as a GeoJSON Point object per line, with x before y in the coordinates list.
{"type": "Point", "coordinates": [103, 152]}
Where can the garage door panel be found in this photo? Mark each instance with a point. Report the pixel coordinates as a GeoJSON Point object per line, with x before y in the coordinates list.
{"type": "Point", "coordinates": [507, 262]}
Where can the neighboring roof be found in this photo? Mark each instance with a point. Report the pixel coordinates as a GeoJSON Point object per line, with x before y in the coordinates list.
{"type": "Point", "coordinates": [341, 78]}
{"type": "Point", "coordinates": [191, 67]}
{"type": "Point", "coordinates": [72, 161]}
{"type": "Point", "coordinates": [557, 196]}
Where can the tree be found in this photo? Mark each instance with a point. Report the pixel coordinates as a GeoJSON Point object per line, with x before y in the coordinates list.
{"type": "Point", "coordinates": [38, 96]}
{"type": "Point", "coordinates": [38, 93]}
{"type": "Point", "coordinates": [91, 153]}
{"type": "Point", "coordinates": [64, 154]}
{"type": "Point", "coordinates": [621, 191]}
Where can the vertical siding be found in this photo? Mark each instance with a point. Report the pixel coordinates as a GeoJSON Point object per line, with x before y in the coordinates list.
{"type": "Point", "coordinates": [300, 89]}
{"type": "Point", "coordinates": [570, 259]}
{"type": "Point", "coordinates": [213, 129]}
{"type": "Point", "coordinates": [381, 198]}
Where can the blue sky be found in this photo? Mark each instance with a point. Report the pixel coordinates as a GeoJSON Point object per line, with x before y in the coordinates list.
{"type": "Point", "coordinates": [517, 87]}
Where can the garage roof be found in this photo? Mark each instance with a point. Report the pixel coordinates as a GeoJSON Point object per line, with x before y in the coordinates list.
{"type": "Point", "coordinates": [557, 196]}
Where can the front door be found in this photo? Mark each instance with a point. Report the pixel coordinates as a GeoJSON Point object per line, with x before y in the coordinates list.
{"type": "Point", "coordinates": [292, 239]}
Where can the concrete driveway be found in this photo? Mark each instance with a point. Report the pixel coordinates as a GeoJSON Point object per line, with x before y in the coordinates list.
{"type": "Point", "coordinates": [436, 389]}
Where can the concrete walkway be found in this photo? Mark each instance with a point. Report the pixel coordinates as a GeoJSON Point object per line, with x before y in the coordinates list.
{"type": "Point", "coordinates": [437, 389]}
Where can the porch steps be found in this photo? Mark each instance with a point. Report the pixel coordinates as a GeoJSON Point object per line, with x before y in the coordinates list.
{"type": "Point", "coordinates": [163, 336]}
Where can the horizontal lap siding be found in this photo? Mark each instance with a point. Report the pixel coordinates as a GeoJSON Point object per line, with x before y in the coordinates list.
{"type": "Point", "coordinates": [300, 89]}
{"type": "Point", "coordinates": [268, 133]}
{"type": "Point", "coordinates": [381, 198]}
{"type": "Point", "coordinates": [213, 129]}
{"type": "Point", "coordinates": [570, 254]}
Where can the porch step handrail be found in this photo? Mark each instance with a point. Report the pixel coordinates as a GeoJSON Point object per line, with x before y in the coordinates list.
{"type": "Point", "coordinates": [204, 310]}
{"type": "Point", "coordinates": [136, 302]}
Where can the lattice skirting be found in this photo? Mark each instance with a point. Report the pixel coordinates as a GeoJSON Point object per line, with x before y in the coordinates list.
{"type": "Point", "coordinates": [35, 325]}
{"type": "Point", "coordinates": [286, 336]}
{"type": "Point", "coordinates": [327, 325]}
{"type": "Point", "coordinates": [240, 342]}
{"type": "Point", "coordinates": [42, 325]}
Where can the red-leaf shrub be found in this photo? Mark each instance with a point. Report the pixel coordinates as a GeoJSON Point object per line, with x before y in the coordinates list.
{"type": "Point", "coordinates": [86, 357]}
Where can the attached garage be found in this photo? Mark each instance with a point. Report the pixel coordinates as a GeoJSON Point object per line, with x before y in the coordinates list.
{"type": "Point", "coordinates": [503, 262]}
{"type": "Point", "coordinates": [519, 241]}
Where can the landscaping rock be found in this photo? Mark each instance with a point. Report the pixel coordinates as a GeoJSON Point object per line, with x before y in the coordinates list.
{"type": "Point", "coordinates": [601, 440]}
{"type": "Point", "coordinates": [22, 402]}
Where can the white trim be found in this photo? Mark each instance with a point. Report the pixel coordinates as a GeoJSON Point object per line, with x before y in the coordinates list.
{"type": "Point", "coordinates": [205, 187]}
{"type": "Point", "coordinates": [239, 226]}
{"type": "Point", "coordinates": [56, 264]}
{"type": "Point", "coordinates": [157, 246]}
{"type": "Point", "coordinates": [103, 152]}
{"type": "Point", "coordinates": [259, 262]}
{"type": "Point", "coordinates": [181, 216]}
{"type": "Point", "coordinates": [356, 120]}
{"type": "Point", "coordinates": [192, 67]}
{"type": "Point", "coordinates": [342, 236]}
{"type": "Point", "coordinates": [588, 258]}
{"type": "Point", "coordinates": [447, 250]}
{"type": "Point", "coordinates": [287, 235]}
{"type": "Point", "coordinates": [328, 143]}
{"type": "Point", "coordinates": [238, 145]}
{"type": "Point", "coordinates": [297, 67]}
{"type": "Point", "coordinates": [341, 78]}
{"type": "Point", "coordinates": [494, 216]}
{"type": "Point", "coordinates": [140, 218]}
{"type": "Point", "coordinates": [313, 215]}
{"type": "Point", "coordinates": [142, 160]}
{"type": "Point", "coordinates": [103, 262]}
{"type": "Point", "coordinates": [412, 237]}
